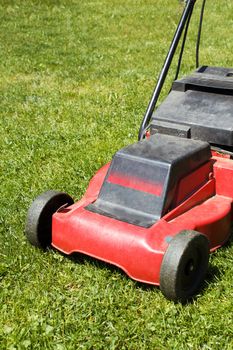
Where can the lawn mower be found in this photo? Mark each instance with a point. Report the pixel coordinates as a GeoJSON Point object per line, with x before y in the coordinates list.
{"type": "Point", "coordinates": [164, 203]}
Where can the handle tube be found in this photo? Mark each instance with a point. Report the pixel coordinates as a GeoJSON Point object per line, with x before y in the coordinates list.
{"type": "Point", "coordinates": [151, 106]}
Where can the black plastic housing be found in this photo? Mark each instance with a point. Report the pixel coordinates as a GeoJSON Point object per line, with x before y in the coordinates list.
{"type": "Point", "coordinates": [199, 106]}
{"type": "Point", "coordinates": [141, 181]}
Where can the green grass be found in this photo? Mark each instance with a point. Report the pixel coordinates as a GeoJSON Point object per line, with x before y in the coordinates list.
{"type": "Point", "coordinates": [75, 80]}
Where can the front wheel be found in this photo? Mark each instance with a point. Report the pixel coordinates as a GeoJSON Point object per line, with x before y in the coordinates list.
{"type": "Point", "coordinates": [184, 265]}
{"type": "Point", "coordinates": [38, 227]}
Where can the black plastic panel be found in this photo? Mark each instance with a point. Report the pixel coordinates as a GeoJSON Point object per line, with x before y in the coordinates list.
{"type": "Point", "coordinates": [203, 104]}
{"type": "Point", "coordinates": [141, 180]}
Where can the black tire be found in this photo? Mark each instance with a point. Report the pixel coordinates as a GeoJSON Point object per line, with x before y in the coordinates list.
{"type": "Point", "coordinates": [38, 228]}
{"type": "Point", "coordinates": [184, 266]}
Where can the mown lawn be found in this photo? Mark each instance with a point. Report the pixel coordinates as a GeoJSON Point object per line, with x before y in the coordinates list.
{"type": "Point", "coordinates": [75, 80]}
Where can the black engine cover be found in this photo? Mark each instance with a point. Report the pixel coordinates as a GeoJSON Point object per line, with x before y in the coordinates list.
{"type": "Point", "coordinates": [199, 106]}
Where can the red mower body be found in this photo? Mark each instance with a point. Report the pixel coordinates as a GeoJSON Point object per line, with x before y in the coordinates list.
{"type": "Point", "coordinates": [202, 201]}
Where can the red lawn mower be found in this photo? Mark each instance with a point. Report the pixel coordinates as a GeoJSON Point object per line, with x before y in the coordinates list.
{"type": "Point", "coordinates": [165, 202]}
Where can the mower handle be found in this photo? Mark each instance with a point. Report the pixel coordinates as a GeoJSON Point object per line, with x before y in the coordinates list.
{"type": "Point", "coordinates": [151, 106]}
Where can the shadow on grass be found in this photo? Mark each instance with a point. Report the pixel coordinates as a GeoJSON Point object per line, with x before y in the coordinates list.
{"type": "Point", "coordinates": [83, 259]}
{"type": "Point", "coordinates": [212, 276]}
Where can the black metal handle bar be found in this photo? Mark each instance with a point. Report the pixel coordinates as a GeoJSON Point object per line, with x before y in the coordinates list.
{"type": "Point", "coordinates": [151, 106]}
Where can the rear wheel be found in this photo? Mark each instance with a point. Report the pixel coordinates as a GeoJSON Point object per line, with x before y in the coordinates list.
{"type": "Point", "coordinates": [38, 228]}
{"type": "Point", "coordinates": [184, 265]}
